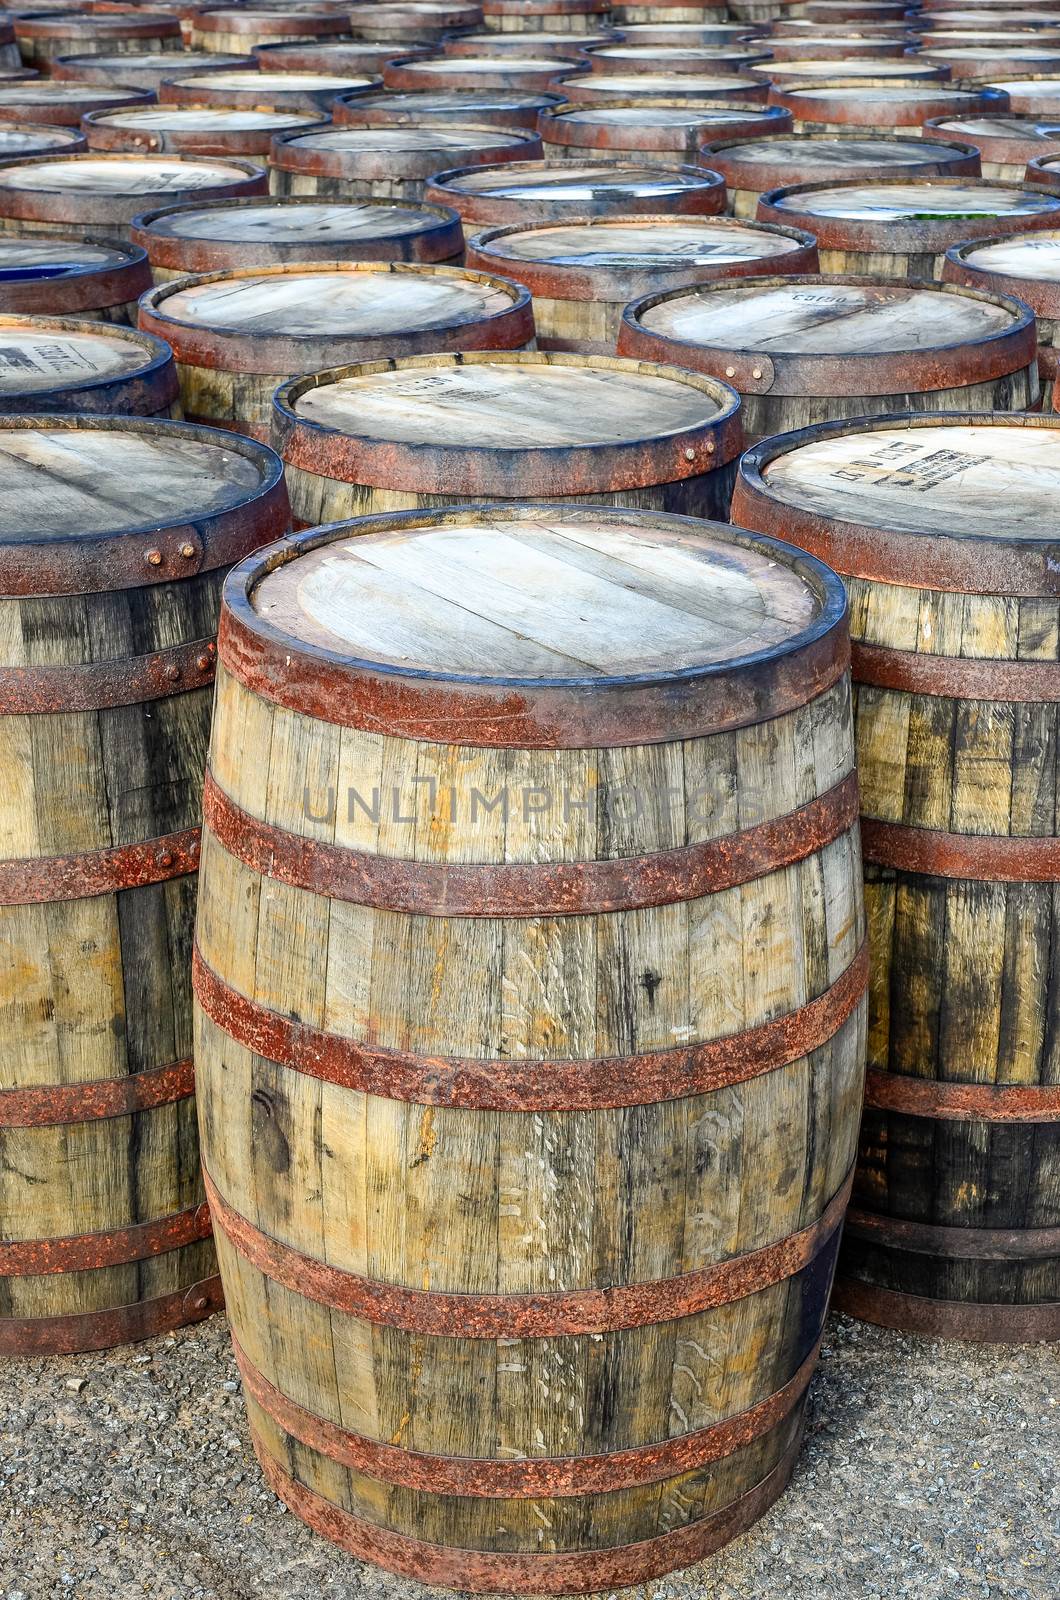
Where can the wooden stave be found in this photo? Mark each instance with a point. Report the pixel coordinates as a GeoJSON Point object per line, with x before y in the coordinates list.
{"type": "Point", "coordinates": [244, 1301]}
{"type": "Point", "coordinates": [68, 115]}
{"type": "Point", "coordinates": [1000, 158]}
{"type": "Point", "coordinates": [616, 143]}
{"type": "Point", "coordinates": [109, 293]}
{"type": "Point", "coordinates": [378, 112]}
{"type": "Point", "coordinates": [43, 37]}
{"type": "Point", "coordinates": [403, 174]}
{"type": "Point", "coordinates": [151, 390]}
{"type": "Point", "coordinates": [488, 210]}
{"type": "Point", "coordinates": [742, 181]}
{"type": "Point", "coordinates": [247, 144]}
{"type": "Point", "coordinates": [899, 1267]}
{"type": "Point", "coordinates": [783, 394]}
{"type": "Point", "coordinates": [164, 1275]}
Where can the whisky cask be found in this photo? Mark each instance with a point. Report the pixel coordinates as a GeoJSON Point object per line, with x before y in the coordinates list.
{"type": "Point", "coordinates": [690, 33]}
{"type": "Point", "coordinates": [582, 272]}
{"type": "Point", "coordinates": [751, 167]}
{"type": "Point", "coordinates": [904, 228]}
{"type": "Point", "coordinates": [64, 365]}
{"type": "Point", "coordinates": [901, 26]}
{"type": "Point", "coordinates": [423, 22]}
{"type": "Point", "coordinates": [1005, 144]}
{"type": "Point", "coordinates": [246, 132]}
{"type": "Point", "coordinates": [844, 104]}
{"type": "Point", "coordinates": [813, 349]}
{"type": "Point", "coordinates": [62, 105]}
{"type": "Point", "coordinates": [100, 194]}
{"type": "Point", "coordinates": [71, 278]}
{"type": "Point", "coordinates": [911, 70]}
{"type": "Point", "coordinates": [10, 55]}
{"type": "Point", "coordinates": [146, 70]}
{"type": "Point", "coordinates": [867, 12]}
{"type": "Point", "coordinates": [437, 74]}
{"type": "Point", "coordinates": [1028, 266]}
{"type": "Point", "coordinates": [832, 48]}
{"type": "Point", "coordinates": [1033, 95]}
{"type": "Point", "coordinates": [42, 37]}
{"type": "Point", "coordinates": [697, 60]}
{"type": "Point", "coordinates": [498, 108]}
{"type": "Point", "coordinates": [559, 1254]}
{"type": "Point", "coordinates": [237, 335]}
{"type": "Point", "coordinates": [544, 191]}
{"type": "Point", "coordinates": [388, 162]}
{"type": "Point", "coordinates": [37, 139]}
{"type": "Point", "coordinates": [673, 128]}
{"type": "Point", "coordinates": [240, 28]}
{"type": "Point", "coordinates": [115, 535]}
{"type": "Point", "coordinates": [222, 235]}
{"type": "Point", "coordinates": [571, 46]}
{"type": "Point", "coordinates": [436, 430]}
{"type": "Point", "coordinates": [945, 531]}
{"type": "Point", "coordinates": [539, 16]}
{"type": "Point", "coordinates": [585, 87]}
{"type": "Point", "coordinates": [980, 60]}
{"type": "Point", "coordinates": [1043, 173]}
{"type": "Point", "coordinates": [672, 12]}
{"type": "Point", "coordinates": [359, 57]}
{"type": "Point", "coordinates": [293, 91]}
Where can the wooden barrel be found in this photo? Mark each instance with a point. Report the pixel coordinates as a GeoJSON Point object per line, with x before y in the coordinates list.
{"type": "Point", "coordinates": [438, 73]}
{"type": "Point", "coordinates": [948, 522]}
{"type": "Point", "coordinates": [62, 105]}
{"type": "Point", "coordinates": [1043, 173]}
{"type": "Point", "coordinates": [585, 87]}
{"type": "Point", "coordinates": [1033, 95]}
{"type": "Point", "coordinates": [675, 128]}
{"type": "Point", "coordinates": [872, 12]}
{"type": "Point", "coordinates": [1005, 144]}
{"type": "Point", "coordinates": [541, 191]}
{"type": "Point", "coordinates": [693, 33]}
{"type": "Point", "coordinates": [435, 430]}
{"type": "Point", "coordinates": [538, 16]}
{"type": "Point", "coordinates": [37, 139]}
{"type": "Point", "coordinates": [116, 535]}
{"type": "Point", "coordinates": [42, 37]}
{"type": "Point", "coordinates": [221, 235]}
{"type": "Point", "coordinates": [979, 60]}
{"type": "Point", "coordinates": [554, 1340]}
{"type": "Point", "coordinates": [498, 108]}
{"type": "Point", "coordinates": [903, 229]}
{"type": "Point", "coordinates": [237, 335]}
{"type": "Point", "coordinates": [242, 27]}
{"type": "Point", "coordinates": [697, 60]}
{"type": "Point", "coordinates": [359, 57]}
{"type": "Point", "coordinates": [751, 167]}
{"type": "Point", "coordinates": [832, 48]}
{"type": "Point", "coordinates": [582, 272]}
{"type": "Point", "coordinates": [388, 162]}
{"type": "Point", "coordinates": [422, 22]}
{"type": "Point", "coordinates": [1027, 265]}
{"type": "Point", "coordinates": [10, 55]}
{"type": "Point", "coordinates": [845, 104]}
{"type": "Point", "coordinates": [800, 27]}
{"type": "Point", "coordinates": [812, 349]}
{"type": "Point", "coordinates": [673, 12]}
{"type": "Point", "coordinates": [196, 130]}
{"type": "Point", "coordinates": [571, 46]}
{"type": "Point", "coordinates": [293, 91]}
{"type": "Point", "coordinates": [913, 70]}
{"type": "Point", "coordinates": [148, 70]}
{"type": "Point", "coordinates": [71, 277]}
{"type": "Point", "coordinates": [64, 365]}
{"type": "Point", "coordinates": [100, 194]}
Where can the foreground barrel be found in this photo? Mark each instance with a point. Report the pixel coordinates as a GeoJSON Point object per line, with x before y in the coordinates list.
{"type": "Point", "coordinates": [70, 277]}
{"type": "Point", "coordinates": [237, 335]}
{"type": "Point", "coordinates": [1027, 265]}
{"type": "Point", "coordinates": [115, 535]}
{"type": "Point", "coordinates": [532, 1221]}
{"type": "Point", "coordinates": [61, 364]}
{"type": "Point", "coordinates": [435, 430]}
{"type": "Point", "coordinates": [946, 532]}
{"type": "Point", "coordinates": [810, 349]}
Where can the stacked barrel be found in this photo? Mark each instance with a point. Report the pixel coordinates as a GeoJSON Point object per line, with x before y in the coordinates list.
{"type": "Point", "coordinates": [531, 967]}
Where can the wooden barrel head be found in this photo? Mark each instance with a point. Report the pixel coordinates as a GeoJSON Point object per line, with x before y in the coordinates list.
{"type": "Point", "coordinates": [417, 23]}
{"type": "Point", "coordinates": [834, 47]}
{"type": "Point", "coordinates": [568, 45]}
{"type": "Point", "coordinates": [36, 139]}
{"type": "Point", "coordinates": [257, 25]}
{"type": "Point", "coordinates": [59, 364]}
{"type": "Point", "coordinates": [394, 151]}
{"type": "Point", "coordinates": [578, 87]}
{"type": "Point", "coordinates": [429, 74]}
{"type": "Point", "coordinates": [909, 70]}
{"type": "Point", "coordinates": [1033, 94]}
{"type": "Point", "coordinates": [1008, 142]}
{"type": "Point", "coordinates": [267, 232]}
{"type": "Point", "coordinates": [202, 130]}
{"type": "Point", "coordinates": [980, 61]}
{"type": "Point", "coordinates": [753, 166]}
{"type": "Point", "coordinates": [301, 91]}
{"type": "Point", "coordinates": [147, 69]}
{"type": "Point", "coordinates": [656, 127]}
{"type": "Point", "coordinates": [503, 108]}
{"type": "Point", "coordinates": [62, 105]}
{"type": "Point", "coordinates": [1027, 265]}
{"type": "Point", "coordinates": [104, 192]}
{"type": "Point", "coordinates": [844, 103]}
{"type": "Point", "coordinates": [543, 190]}
{"type": "Point", "coordinates": [695, 60]}
{"type": "Point", "coordinates": [44, 275]}
{"type": "Point", "coordinates": [358, 57]}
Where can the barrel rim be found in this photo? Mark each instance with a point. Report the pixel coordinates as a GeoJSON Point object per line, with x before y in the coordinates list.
{"type": "Point", "coordinates": [405, 72]}
{"type": "Point", "coordinates": [68, 113]}
{"type": "Point", "coordinates": [95, 284]}
{"type": "Point", "coordinates": [580, 86]}
{"type": "Point", "coordinates": [83, 205]}
{"type": "Point", "coordinates": [999, 146]}
{"type": "Point", "coordinates": [555, 126]}
{"type": "Point", "coordinates": [1041, 294]}
{"type": "Point", "coordinates": [246, 19]}
{"type": "Point", "coordinates": [858, 108]}
{"type": "Point", "coordinates": [288, 154]}
{"type": "Point", "coordinates": [156, 376]}
{"type": "Point", "coordinates": [761, 177]}
{"type": "Point", "coordinates": [380, 114]}
{"type": "Point", "coordinates": [139, 25]}
{"type": "Point", "coordinates": [71, 142]}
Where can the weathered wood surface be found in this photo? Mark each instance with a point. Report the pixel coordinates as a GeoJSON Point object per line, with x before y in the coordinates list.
{"type": "Point", "coordinates": [1005, 144]}
{"type": "Point", "coordinates": [296, 91]}
{"type": "Point", "coordinates": [418, 23]}
{"type": "Point", "coordinates": [61, 364]}
{"type": "Point", "coordinates": [586, 86]}
{"type": "Point", "coordinates": [699, 60]}
{"type": "Point", "coordinates": [195, 130]}
{"type": "Point", "coordinates": [62, 105]}
{"type": "Point", "coordinates": [526, 191]}
{"type": "Point", "coordinates": [41, 37]}
{"type": "Point", "coordinates": [957, 642]}
{"type": "Point", "coordinates": [842, 104]}
{"type": "Point", "coordinates": [504, 108]}
{"type": "Point", "coordinates": [432, 74]}
{"type": "Point", "coordinates": [394, 162]}
{"type": "Point", "coordinates": [33, 139]}
{"type": "Point", "coordinates": [242, 27]}
{"type": "Point", "coordinates": [1027, 266]}
{"type": "Point", "coordinates": [750, 167]}
{"type": "Point", "coordinates": [669, 127]}
{"type": "Point", "coordinates": [480, 1198]}
{"type": "Point", "coordinates": [534, 16]}
{"type": "Point", "coordinates": [145, 70]}
{"type": "Point", "coordinates": [70, 277]}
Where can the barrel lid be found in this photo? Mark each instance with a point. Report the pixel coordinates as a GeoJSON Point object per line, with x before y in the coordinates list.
{"type": "Point", "coordinates": [430, 66]}
{"type": "Point", "coordinates": [117, 174]}
{"type": "Point", "coordinates": [520, 44]}
{"type": "Point", "coordinates": [402, 136]}
{"type": "Point", "coordinates": [833, 150]}
{"type": "Point", "coordinates": [42, 353]}
{"type": "Point", "coordinates": [995, 127]}
{"type": "Point", "coordinates": [575, 180]}
{"type": "Point", "coordinates": [982, 60]}
{"type": "Point", "coordinates": [290, 220]}
{"type": "Point", "coordinates": [1025, 264]}
{"type": "Point", "coordinates": [165, 118]}
{"type": "Point", "coordinates": [902, 71]}
{"type": "Point", "coordinates": [688, 114]}
{"type": "Point", "coordinates": [447, 102]}
{"type": "Point", "coordinates": [67, 256]}
{"type": "Point", "coordinates": [681, 85]}
{"type": "Point", "coordinates": [928, 200]}
{"type": "Point", "coordinates": [51, 91]}
{"type": "Point", "coordinates": [535, 626]}
{"type": "Point", "coordinates": [36, 138]}
{"type": "Point", "coordinates": [664, 54]}
{"type": "Point", "coordinates": [896, 94]}
{"type": "Point", "coordinates": [144, 61]}
{"type": "Point", "coordinates": [95, 503]}
{"type": "Point", "coordinates": [269, 85]}
{"type": "Point", "coordinates": [966, 503]}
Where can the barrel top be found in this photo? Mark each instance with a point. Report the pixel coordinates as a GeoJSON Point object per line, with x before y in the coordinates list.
{"type": "Point", "coordinates": [1026, 255]}
{"type": "Point", "coordinates": [431, 65]}
{"type": "Point", "coordinates": [676, 52]}
{"type": "Point", "coordinates": [857, 67]}
{"type": "Point", "coordinates": [151, 60]}
{"type": "Point", "coordinates": [997, 479]}
{"type": "Point", "coordinates": [283, 221]}
{"type": "Point", "coordinates": [358, 303]}
{"type": "Point", "coordinates": [63, 483]}
{"type": "Point", "coordinates": [57, 93]}
{"type": "Point", "coordinates": [1008, 56]}
{"type": "Point", "coordinates": [72, 255]}
{"type": "Point", "coordinates": [574, 180]}
{"type": "Point", "coordinates": [447, 100]}
{"type": "Point", "coordinates": [192, 118]}
{"type": "Point", "coordinates": [400, 136]}
{"type": "Point", "coordinates": [996, 127]}
{"type": "Point", "coordinates": [540, 594]}
{"type": "Point", "coordinates": [675, 84]}
{"type": "Point", "coordinates": [270, 83]}
{"type": "Point", "coordinates": [837, 150]}
{"type": "Point", "coordinates": [39, 353]}
{"type": "Point", "coordinates": [914, 201]}
{"type": "Point", "coordinates": [36, 137]}
{"type": "Point", "coordinates": [824, 318]}
{"type": "Point", "coordinates": [689, 114]}
{"type": "Point", "coordinates": [120, 174]}
{"type": "Point", "coordinates": [643, 242]}
{"type": "Point", "coordinates": [892, 93]}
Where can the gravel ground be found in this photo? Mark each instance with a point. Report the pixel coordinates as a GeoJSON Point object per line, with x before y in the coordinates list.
{"type": "Point", "coordinates": [931, 1470]}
